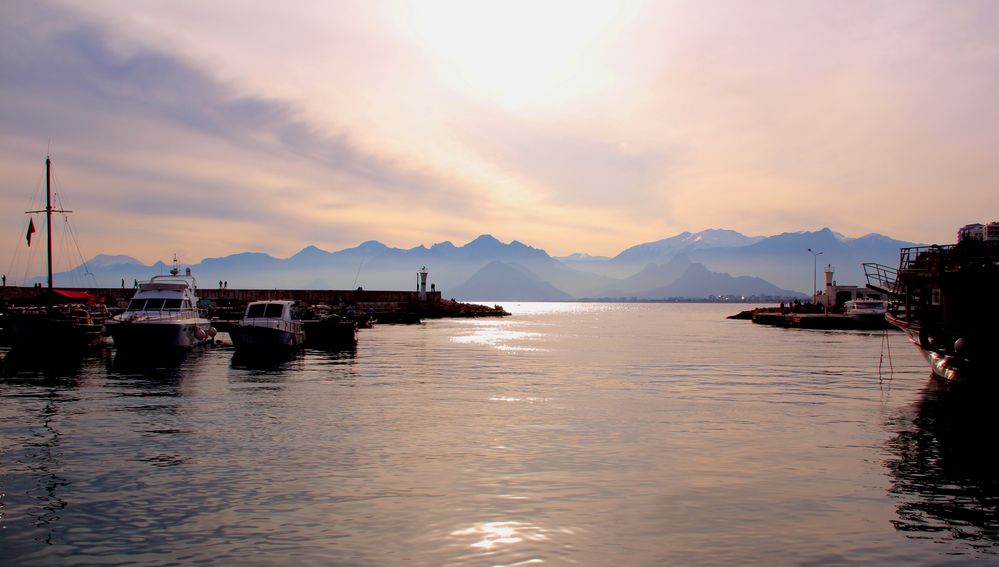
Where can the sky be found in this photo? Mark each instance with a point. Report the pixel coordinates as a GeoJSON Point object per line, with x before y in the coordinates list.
{"type": "Point", "coordinates": [203, 129]}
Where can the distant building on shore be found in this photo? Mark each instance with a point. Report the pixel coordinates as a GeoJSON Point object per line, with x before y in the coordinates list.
{"type": "Point", "coordinates": [977, 231]}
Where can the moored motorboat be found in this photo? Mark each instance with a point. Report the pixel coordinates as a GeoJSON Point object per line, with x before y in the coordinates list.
{"type": "Point", "coordinates": [863, 309]}
{"type": "Point", "coordinates": [162, 316]}
{"type": "Point", "coordinates": [268, 326]}
{"type": "Point", "coordinates": [943, 298]}
{"type": "Point", "coordinates": [332, 331]}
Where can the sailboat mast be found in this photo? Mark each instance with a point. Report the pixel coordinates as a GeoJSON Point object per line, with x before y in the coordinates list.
{"type": "Point", "coordinates": [48, 216]}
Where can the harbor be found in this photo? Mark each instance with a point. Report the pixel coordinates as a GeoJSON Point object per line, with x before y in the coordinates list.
{"type": "Point", "coordinates": [834, 307]}
{"type": "Point", "coordinates": [224, 307]}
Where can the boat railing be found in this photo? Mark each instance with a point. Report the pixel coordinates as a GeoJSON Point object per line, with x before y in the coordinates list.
{"type": "Point", "coordinates": [161, 315]}
{"type": "Point", "coordinates": [931, 261]}
{"type": "Point", "coordinates": [922, 259]}
{"type": "Point", "coordinates": [880, 277]}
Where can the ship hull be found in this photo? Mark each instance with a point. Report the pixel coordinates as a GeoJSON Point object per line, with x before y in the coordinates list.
{"type": "Point", "coordinates": [257, 338]}
{"type": "Point", "coordinates": [948, 367]}
{"type": "Point", "coordinates": [39, 333]}
{"type": "Point", "coordinates": [153, 336]}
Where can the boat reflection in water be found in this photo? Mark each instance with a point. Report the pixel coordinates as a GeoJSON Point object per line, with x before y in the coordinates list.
{"type": "Point", "coordinates": [18, 364]}
{"type": "Point", "coordinates": [943, 471]}
{"type": "Point", "coordinates": [267, 359]}
{"type": "Point", "coordinates": [47, 389]}
{"type": "Point", "coordinates": [131, 362]}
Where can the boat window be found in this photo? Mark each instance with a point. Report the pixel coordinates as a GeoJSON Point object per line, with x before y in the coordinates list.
{"type": "Point", "coordinates": [136, 304]}
{"type": "Point", "coordinates": [936, 296]}
{"type": "Point", "coordinates": [255, 310]}
{"type": "Point", "coordinates": [154, 304]}
{"type": "Point", "coordinates": [171, 304]}
{"type": "Point", "coordinates": [274, 310]}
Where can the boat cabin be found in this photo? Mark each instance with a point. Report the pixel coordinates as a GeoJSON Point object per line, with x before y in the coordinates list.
{"type": "Point", "coordinates": [270, 310]}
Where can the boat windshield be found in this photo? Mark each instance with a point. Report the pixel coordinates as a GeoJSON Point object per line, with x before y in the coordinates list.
{"type": "Point", "coordinates": [155, 304]}
{"type": "Point", "coordinates": [271, 310]}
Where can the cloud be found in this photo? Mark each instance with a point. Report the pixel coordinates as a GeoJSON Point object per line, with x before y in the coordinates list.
{"type": "Point", "coordinates": [332, 123]}
{"type": "Point", "coordinates": [162, 138]}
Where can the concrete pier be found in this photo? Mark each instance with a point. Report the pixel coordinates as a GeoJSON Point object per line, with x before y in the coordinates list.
{"type": "Point", "coordinates": [832, 321]}
{"type": "Point", "coordinates": [425, 304]}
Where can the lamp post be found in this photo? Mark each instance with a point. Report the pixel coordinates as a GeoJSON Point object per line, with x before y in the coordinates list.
{"type": "Point", "coordinates": [815, 269]}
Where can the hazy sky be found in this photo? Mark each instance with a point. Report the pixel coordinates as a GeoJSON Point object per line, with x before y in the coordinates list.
{"type": "Point", "coordinates": [207, 128]}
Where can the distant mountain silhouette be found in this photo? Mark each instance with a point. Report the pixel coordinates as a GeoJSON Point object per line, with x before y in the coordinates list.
{"type": "Point", "coordinates": [503, 281]}
{"type": "Point", "coordinates": [644, 270]}
{"type": "Point", "coordinates": [662, 250]}
{"type": "Point", "coordinates": [784, 259]}
{"type": "Point", "coordinates": [699, 282]}
{"type": "Point", "coordinates": [651, 277]}
{"type": "Point", "coordinates": [105, 260]}
{"type": "Point", "coordinates": [580, 258]}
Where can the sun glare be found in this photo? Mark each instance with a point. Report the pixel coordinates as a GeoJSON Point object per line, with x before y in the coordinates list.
{"type": "Point", "coordinates": [516, 53]}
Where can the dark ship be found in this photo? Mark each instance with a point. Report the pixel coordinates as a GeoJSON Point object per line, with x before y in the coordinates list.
{"type": "Point", "coordinates": [944, 297]}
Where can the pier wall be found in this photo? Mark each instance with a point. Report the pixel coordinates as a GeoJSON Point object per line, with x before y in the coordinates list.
{"type": "Point", "coordinates": [332, 297]}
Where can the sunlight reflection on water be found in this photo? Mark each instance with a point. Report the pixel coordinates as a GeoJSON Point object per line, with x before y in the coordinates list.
{"type": "Point", "coordinates": [491, 538]}
{"type": "Point", "coordinates": [501, 335]}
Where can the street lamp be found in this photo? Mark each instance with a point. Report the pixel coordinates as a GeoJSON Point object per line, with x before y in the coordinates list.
{"type": "Point", "coordinates": [815, 271]}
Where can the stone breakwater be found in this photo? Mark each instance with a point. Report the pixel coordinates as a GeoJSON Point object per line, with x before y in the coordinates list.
{"type": "Point", "coordinates": [428, 305]}
{"type": "Point", "coordinates": [832, 321]}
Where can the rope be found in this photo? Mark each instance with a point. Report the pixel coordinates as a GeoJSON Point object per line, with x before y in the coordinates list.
{"type": "Point", "coordinates": [885, 345]}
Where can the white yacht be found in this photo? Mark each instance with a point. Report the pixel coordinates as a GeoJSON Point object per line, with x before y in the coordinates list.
{"type": "Point", "coordinates": [162, 315]}
{"type": "Point", "coordinates": [866, 308]}
{"type": "Point", "coordinates": [268, 326]}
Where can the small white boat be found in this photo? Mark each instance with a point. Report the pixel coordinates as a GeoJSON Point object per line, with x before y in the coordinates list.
{"type": "Point", "coordinates": [866, 308]}
{"type": "Point", "coordinates": [268, 326]}
{"type": "Point", "coordinates": [162, 316]}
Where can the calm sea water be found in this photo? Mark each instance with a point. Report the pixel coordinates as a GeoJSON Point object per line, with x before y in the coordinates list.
{"type": "Point", "coordinates": [592, 434]}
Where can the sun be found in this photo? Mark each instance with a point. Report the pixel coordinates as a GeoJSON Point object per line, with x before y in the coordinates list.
{"type": "Point", "coordinates": [516, 53]}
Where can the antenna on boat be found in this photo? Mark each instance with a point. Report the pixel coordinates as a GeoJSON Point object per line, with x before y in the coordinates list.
{"type": "Point", "coordinates": [48, 210]}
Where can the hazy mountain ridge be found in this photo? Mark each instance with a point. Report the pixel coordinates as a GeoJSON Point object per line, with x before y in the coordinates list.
{"type": "Point", "coordinates": [502, 281]}
{"type": "Point", "coordinates": [711, 262]}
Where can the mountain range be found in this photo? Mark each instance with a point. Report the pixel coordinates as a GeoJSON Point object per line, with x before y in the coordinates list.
{"type": "Point", "coordinates": [689, 265]}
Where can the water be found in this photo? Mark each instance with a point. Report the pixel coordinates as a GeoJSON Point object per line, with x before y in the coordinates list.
{"type": "Point", "coordinates": [593, 434]}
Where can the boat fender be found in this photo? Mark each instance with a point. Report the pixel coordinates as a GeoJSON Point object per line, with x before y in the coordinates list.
{"type": "Point", "coordinates": [960, 345]}
{"type": "Point", "coordinates": [212, 332]}
{"type": "Point", "coordinates": [199, 333]}
{"type": "Point", "coordinates": [105, 331]}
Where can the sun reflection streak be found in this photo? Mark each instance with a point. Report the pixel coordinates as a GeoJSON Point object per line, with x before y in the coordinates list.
{"type": "Point", "coordinates": [499, 336]}
{"type": "Point", "coordinates": [491, 536]}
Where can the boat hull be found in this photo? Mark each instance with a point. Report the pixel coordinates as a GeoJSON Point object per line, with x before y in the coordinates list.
{"type": "Point", "coordinates": [155, 336]}
{"type": "Point", "coordinates": [43, 333]}
{"type": "Point", "coordinates": [949, 367]}
{"type": "Point", "coordinates": [332, 332]}
{"type": "Point", "coordinates": [253, 338]}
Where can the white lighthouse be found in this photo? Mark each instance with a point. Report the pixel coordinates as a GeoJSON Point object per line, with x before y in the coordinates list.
{"type": "Point", "coordinates": [829, 288]}
{"type": "Point", "coordinates": [422, 282]}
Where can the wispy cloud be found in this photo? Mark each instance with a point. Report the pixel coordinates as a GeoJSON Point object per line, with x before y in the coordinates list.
{"type": "Point", "coordinates": [261, 128]}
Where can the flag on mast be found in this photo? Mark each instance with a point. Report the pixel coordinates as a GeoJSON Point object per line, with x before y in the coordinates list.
{"type": "Point", "coordinates": [31, 229]}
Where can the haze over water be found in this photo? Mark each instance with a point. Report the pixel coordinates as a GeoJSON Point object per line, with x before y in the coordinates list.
{"type": "Point", "coordinates": [594, 434]}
